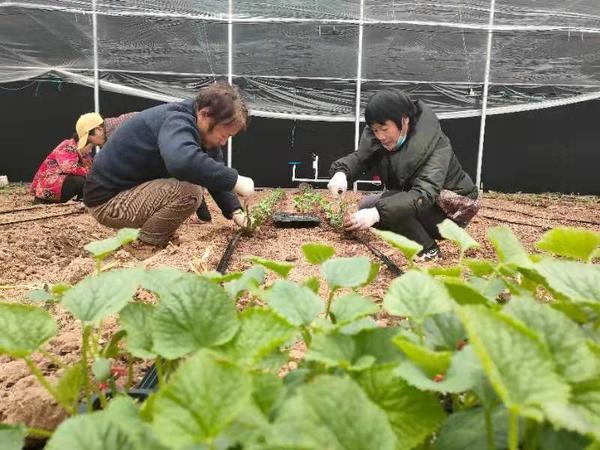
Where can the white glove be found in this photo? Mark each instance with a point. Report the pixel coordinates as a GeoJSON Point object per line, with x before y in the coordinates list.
{"type": "Point", "coordinates": [241, 219]}
{"type": "Point", "coordinates": [363, 219]}
{"type": "Point", "coordinates": [244, 186]}
{"type": "Point", "coordinates": [338, 184]}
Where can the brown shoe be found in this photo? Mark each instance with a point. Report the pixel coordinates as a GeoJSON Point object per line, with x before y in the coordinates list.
{"type": "Point", "coordinates": [140, 250]}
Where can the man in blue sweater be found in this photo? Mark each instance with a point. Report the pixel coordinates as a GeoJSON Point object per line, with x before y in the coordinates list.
{"type": "Point", "coordinates": [152, 172]}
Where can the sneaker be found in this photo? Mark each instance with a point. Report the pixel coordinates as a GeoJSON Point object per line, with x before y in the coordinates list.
{"type": "Point", "coordinates": [430, 254]}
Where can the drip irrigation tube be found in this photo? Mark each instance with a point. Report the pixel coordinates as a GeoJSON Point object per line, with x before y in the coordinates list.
{"type": "Point", "coordinates": [12, 222]}
{"type": "Point", "coordinates": [28, 208]}
{"type": "Point", "coordinates": [528, 214]}
{"type": "Point", "coordinates": [387, 261]}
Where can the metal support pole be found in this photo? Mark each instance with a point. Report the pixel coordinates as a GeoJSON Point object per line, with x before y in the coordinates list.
{"type": "Point", "coordinates": [230, 69]}
{"type": "Point", "coordinates": [486, 83]}
{"type": "Point", "coordinates": [96, 76]}
{"type": "Point", "coordinates": [359, 74]}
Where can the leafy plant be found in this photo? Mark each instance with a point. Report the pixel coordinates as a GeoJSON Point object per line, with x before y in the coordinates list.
{"type": "Point", "coordinates": [464, 369]}
{"type": "Point", "coordinates": [308, 200]}
{"type": "Point", "coordinates": [264, 209]}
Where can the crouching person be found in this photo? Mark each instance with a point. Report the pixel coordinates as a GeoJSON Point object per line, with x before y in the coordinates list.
{"type": "Point", "coordinates": [423, 178]}
{"type": "Point", "coordinates": [152, 172]}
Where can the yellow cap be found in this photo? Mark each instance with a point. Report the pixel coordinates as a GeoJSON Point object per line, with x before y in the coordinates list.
{"type": "Point", "coordinates": [84, 125]}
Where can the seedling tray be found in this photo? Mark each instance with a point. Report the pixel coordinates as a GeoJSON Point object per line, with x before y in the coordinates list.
{"type": "Point", "coordinates": [293, 220]}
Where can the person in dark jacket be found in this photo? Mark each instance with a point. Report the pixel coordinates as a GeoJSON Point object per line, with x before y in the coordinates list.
{"type": "Point", "coordinates": [152, 172]}
{"type": "Point", "coordinates": [423, 179]}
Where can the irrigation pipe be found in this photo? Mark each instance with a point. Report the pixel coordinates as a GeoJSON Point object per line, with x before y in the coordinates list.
{"type": "Point", "coordinates": [12, 222]}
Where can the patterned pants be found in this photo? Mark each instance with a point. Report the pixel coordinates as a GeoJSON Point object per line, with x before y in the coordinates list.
{"type": "Point", "coordinates": [157, 207]}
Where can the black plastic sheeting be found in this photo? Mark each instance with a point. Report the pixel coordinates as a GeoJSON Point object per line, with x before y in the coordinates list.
{"type": "Point", "coordinates": [549, 150]}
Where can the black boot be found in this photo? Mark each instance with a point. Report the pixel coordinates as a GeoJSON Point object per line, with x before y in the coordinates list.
{"type": "Point", "coordinates": [203, 213]}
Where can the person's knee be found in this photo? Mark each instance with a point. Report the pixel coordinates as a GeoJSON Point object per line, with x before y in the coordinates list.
{"type": "Point", "coordinates": [191, 194]}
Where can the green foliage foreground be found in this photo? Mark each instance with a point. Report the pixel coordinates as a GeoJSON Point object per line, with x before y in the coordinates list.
{"type": "Point", "coordinates": [489, 354]}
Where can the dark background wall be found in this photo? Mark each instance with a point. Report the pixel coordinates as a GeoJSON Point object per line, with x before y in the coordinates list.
{"type": "Point", "coordinates": [551, 150]}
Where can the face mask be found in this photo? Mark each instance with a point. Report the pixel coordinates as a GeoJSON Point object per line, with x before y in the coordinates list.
{"type": "Point", "coordinates": [401, 141]}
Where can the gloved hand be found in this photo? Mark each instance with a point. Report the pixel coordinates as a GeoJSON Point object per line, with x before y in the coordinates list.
{"type": "Point", "coordinates": [362, 219]}
{"type": "Point", "coordinates": [338, 184]}
{"type": "Point", "coordinates": [241, 219]}
{"type": "Point", "coordinates": [244, 186]}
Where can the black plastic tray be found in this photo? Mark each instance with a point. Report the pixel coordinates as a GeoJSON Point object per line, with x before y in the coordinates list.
{"type": "Point", "coordinates": [293, 220]}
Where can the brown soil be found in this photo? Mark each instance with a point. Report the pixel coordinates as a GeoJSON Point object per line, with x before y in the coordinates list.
{"type": "Point", "coordinates": [51, 250]}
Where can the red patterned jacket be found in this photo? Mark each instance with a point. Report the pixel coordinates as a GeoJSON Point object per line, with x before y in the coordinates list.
{"type": "Point", "coordinates": [65, 160]}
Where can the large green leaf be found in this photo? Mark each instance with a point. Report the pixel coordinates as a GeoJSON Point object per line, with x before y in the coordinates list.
{"type": "Point", "coordinates": [101, 249]}
{"type": "Point", "coordinates": [202, 398]}
{"type": "Point", "coordinates": [444, 331]}
{"type": "Point", "coordinates": [466, 430]}
{"type": "Point", "coordinates": [136, 320]}
{"type": "Point", "coordinates": [582, 413]}
{"type": "Point", "coordinates": [578, 281]}
{"type": "Point", "coordinates": [570, 242]}
{"type": "Point", "coordinates": [297, 304]}
{"type": "Point", "coordinates": [158, 280]}
{"type": "Point", "coordinates": [250, 279]}
{"type": "Point", "coordinates": [316, 253]}
{"type": "Point", "coordinates": [514, 359]}
{"type": "Point", "coordinates": [69, 385]}
{"type": "Point", "coordinates": [268, 391]}
{"type": "Point", "coordinates": [12, 437]}
{"type": "Point", "coordinates": [346, 272]}
{"type": "Point", "coordinates": [416, 295]}
{"type": "Point", "coordinates": [331, 413]}
{"type": "Point", "coordinates": [464, 373]}
{"type": "Point", "coordinates": [97, 297]}
{"type": "Point", "coordinates": [261, 332]}
{"type": "Point", "coordinates": [565, 340]}
{"type": "Point", "coordinates": [355, 352]}
{"type": "Point", "coordinates": [413, 414]}
{"type": "Point", "coordinates": [480, 267]}
{"type": "Point", "coordinates": [552, 439]}
{"type": "Point", "coordinates": [117, 428]}
{"type": "Point", "coordinates": [350, 307]}
{"type": "Point", "coordinates": [408, 248]}
{"type": "Point", "coordinates": [463, 293]}
{"type": "Point", "coordinates": [451, 231]}
{"type": "Point", "coordinates": [280, 268]}
{"type": "Point", "coordinates": [24, 329]}
{"type": "Point", "coordinates": [432, 362]}
{"type": "Point", "coordinates": [193, 314]}
{"type": "Point", "coordinates": [509, 249]}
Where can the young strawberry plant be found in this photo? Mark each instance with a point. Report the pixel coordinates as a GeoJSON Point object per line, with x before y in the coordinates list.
{"type": "Point", "coordinates": [264, 209]}
{"type": "Point", "coordinates": [308, 201]}
{"type": "Point", "coordinates": [488, 354]}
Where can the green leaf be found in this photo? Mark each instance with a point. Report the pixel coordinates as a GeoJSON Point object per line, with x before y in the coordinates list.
{"type": "Point", "coordinates": [444, 331]}
{"type": "Point", "coordinates": [466, 430]}
{"type": "Point", "coordinates": [551, 439]}
{"type": "Point", "coordinates": [60, 288]}
{"type": "Point", "coordinates": [101, 249]}
{"type": "Point", "coordinates": [111, 350]}
{"type": "Point", "coordinates": [12, 437]}
{"type": "Point", "coordinates": [364, 323]}
{"type": "Point", "coordinates": [194, 313]}
{"type": "Point", "coordinates": [515, 360]}
{"type": "Point", "coordinates": [24, 329]}
{"type": "Point", "coordinates": [261, 332]}
{"type": "Point", "coordinates": [451, 231]}
{"type": "Point", "coordinates": [577, 281]}
{"type": "Point", "coordinates": [413, 414]}
{"type": "Point", "coordinates": [136, 320]}
{"type": "Point", "coordinates": [69, 385]}
{"type": "Point", "coordinates": [570, 242]}
{"type": "Point", "coordinates": [430, 361]}
{"type": "Point", "coordinates": [159, 280]}
{"type": "Point", "coordinates": [480, 267]}
{"type": "Point", "coordinates": [297, 304]}
{"type": "Point", "coordinates": [202, 398]}
{"type": "Point", "coordinates": [350, 307]}
{"type": "Point", "coordinates": [416, 295]}
{"type": "Point", "coordinates": [463, 293]}
{"type": "Point", "coordinates": [39, 295]}
{"type": "Point", "coordinates": [280, 268]}
{"type": "Point", "coordinates": [268, 391]}
{"type": "Point", "coordinates": [372, 273]}
{"type": "Point", "coordinates": [316, 253]}
{"type": "Point", "coordinates": [463, 374]}
{"type": "Point", "coordinates": [313, 284]}
{"type": "Point", "coordinates": [346, 272]}
{"type": "Point", "coordinates": [451, 271]}
{"type": "Point", "coordinates": [219, 277]}
{"type": "Point", "coordinates": [565, 340]}
{"type": "Point", "coordinates": [250, 279]}
{"type": "Point", "coordinates": [331, 413]}
{"type": "Point", "coordinates": [97, 297]}
{"type": "Point", "coordinates": [408, 248]}
{"type": "Point", "coordinates": [582, 413]}
{"type": "Point", "coordinates": [356, 352]}
{"type": "Point", "coordinates": [509, 249]}
{"type": "Point", "coordinates": [101, 369]}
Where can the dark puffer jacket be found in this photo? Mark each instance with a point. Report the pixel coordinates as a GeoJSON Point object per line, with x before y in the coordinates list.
{"type": "Point", "coordinates": [415, 174]}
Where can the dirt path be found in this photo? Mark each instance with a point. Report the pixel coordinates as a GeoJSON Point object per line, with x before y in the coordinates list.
{"type": "Point", "coordinates": [50, 249]}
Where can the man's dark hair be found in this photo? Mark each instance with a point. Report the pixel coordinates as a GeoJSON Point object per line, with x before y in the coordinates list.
{"type": "Point", "coordinates": [390, 104]}
{"type": "Point", "coordinates": [224, 104]}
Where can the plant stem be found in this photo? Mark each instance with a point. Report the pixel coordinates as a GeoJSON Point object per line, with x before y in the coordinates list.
{"type": "Point", "coordinates": [101, 396]}
{"type": "Point", "coordinates": [44, 382]}
{"type": "Point", "coordinates": [129, 371]}
{"type": "Point", "coordinates": [489, 429]}
{"type": "Point", "coordinates": [306, 336]}
{"type": "Point", "coordinates": [531, 435]}
{"type": "Point", "coordinates": [513, 430]}
{"type": "Point", "coordinates": [87, 329]}
{"type": "Point", "coordinates": [98, 265]}
{"type": "Point", "coordinates": [328, 307]}
{"type": "Point", "coordinates": [38, 433]}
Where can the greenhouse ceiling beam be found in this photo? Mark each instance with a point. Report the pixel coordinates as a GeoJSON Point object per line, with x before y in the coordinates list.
{"type": "Point", "coordinates": [230, 71]}
{"type": "Point", "coordinates": [96, 75]}
{"type": "Point", "coordinates": [359, 76]}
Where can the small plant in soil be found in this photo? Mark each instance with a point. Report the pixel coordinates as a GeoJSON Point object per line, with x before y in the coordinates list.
{"type": "Point", "coordinates": [308, 201]}
{"type": "Point", "coordinates": [463, 370]}
{"type": "Point", "coordinates": [264, 209]}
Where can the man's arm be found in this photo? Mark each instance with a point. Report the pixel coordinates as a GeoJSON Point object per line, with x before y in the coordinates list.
{"type": "Point", "coordinates": [354, 164]}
